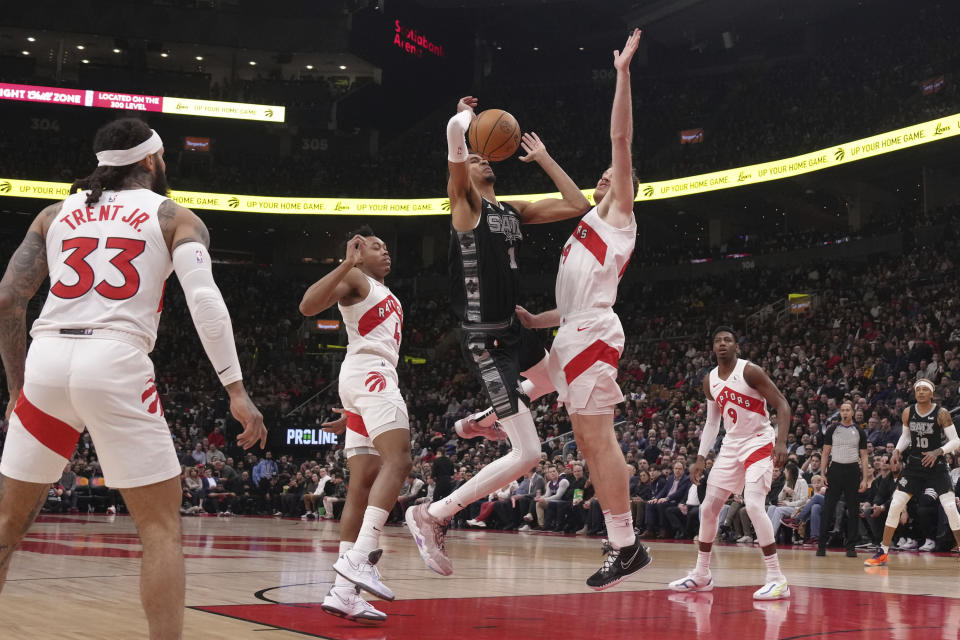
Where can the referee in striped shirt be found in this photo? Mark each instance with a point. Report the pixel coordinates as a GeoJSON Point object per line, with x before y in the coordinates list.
{"type": "Point", "coordinates": [843, 445]}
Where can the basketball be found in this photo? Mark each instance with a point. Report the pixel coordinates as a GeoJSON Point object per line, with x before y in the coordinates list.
{"type": "Point", "coordinates": [494, 134]}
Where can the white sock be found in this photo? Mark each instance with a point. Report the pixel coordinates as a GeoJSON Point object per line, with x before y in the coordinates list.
{"type": "Point", "coordinates": [619, 529]}
{"type": "Point", "coordinates": [374, 519]}
{"type": "Point", "coordinates": [703, 564]}
{"type": "Point", "coordinates": [341, 581]}
{"type": "Point", "coordinates": [773, 567]}
{"type": "Point", "coordinates": [885, 548]}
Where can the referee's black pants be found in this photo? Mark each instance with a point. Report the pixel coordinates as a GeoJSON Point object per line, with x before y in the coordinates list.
{"type": "Point", "coordinates": [842, 480]}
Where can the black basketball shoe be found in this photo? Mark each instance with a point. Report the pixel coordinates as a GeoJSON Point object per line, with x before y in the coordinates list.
{"type": "Point", "coordinates": [619, 564]}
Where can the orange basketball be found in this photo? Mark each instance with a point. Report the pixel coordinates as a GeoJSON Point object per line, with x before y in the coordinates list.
{"type": "Point", "coordinates": [494, 134]}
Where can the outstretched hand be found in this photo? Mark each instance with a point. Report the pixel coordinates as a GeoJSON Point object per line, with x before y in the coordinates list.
{"type": "Point", "coordinates": [533, 147]}
{"type": "Point", "coordinates": [621, 59]}
{"type": "Point", "coordinates": [525, 317]}
{"type": "Point", "coordinates": [467, 103]}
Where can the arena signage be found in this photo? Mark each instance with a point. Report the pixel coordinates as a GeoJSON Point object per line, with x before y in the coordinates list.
{"type": "Point", "coordinates": [136, 102]}
{"type": "Point", "coordinates": [311, 437]}
{"type": "Point", "coordinates": [846, 153]}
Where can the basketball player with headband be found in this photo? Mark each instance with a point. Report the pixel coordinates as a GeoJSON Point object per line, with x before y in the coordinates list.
{"type": "Point", "coordinates": [928, 434]}
{"type": "Point", "coordinates": [108, 250]}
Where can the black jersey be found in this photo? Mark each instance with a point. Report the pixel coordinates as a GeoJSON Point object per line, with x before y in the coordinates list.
{"type": "Point", "coordinates": [926, 434]}
{"type": "Point", "coordinates": [484, 277]}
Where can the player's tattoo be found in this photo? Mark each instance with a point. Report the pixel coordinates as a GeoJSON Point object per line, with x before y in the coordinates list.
{"type": "Point", "coordinates": [24, 275]}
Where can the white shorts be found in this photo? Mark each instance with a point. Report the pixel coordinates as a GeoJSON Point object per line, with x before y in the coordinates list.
{"type": "Point", "coordinates": [104, 385]}
{"type": "Point", "coordinates": [372, 400]}
{"type": "Point", "coordinates": [584, 361]}
{"type": "Point", "coordinates": [744, 460]}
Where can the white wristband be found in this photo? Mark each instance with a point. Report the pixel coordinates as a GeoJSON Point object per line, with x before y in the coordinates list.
{"type": "Point", "coordinates": [456, 129]}
{"type": "Point", "coordinates": [191, 261]}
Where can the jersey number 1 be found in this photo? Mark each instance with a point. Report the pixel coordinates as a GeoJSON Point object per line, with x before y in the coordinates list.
{"type": "Point", "coordinates": [82, 247]}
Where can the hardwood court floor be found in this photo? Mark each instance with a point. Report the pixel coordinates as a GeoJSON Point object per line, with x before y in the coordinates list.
{"type": "Point", "coordinates": [76, 577]}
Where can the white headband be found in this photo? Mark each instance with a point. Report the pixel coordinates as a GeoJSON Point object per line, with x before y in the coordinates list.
{"type": "Point", "coordinates": [924, 383]}
{"type": "Point", "coordinates": [123, 157]}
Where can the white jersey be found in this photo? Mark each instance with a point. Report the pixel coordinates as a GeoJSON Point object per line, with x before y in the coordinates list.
{"type": "Point", "coordinates": [108, 266]}
{"type": "Point", "coordinates": [374, 324]}
{"type": "Point", "coordinates": [744, 410]}
{"type": "Point", "coordinates": [592, 263]}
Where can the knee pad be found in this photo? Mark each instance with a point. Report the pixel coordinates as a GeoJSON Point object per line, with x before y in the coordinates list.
{"type": "Point", "coordinates": [897, 505]}
{"type": "Point", "coordinates": [949, 502]}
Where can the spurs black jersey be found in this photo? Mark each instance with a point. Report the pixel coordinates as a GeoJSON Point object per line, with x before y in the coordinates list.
{"type": "Point", "coordinates": [926, 434]}
{"type": "Point", "coordinates": [484, 276]}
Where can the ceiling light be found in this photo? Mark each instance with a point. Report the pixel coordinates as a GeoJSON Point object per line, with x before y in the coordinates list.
{"type": "Point", "coordinates": [85, 61]}
{"type": "Point", "coordinates": [253, 63]}
{"type": "Point", "coordinates": [25, 52]}
{"type": "Point", "coordinates": [581, 48]}
{"type": "Point", "coordinates": [164, 54]}
{"type": "Point", "coordinates": [343, 67]}
{"type": "Point", "coordinates": [116, 50]}
{"type": "Point", "coordinates": [199, 58]}
{"type": "Point", "coordinates": [309, 67]}
{"type": "Point", "coordinates": [536, 48]}
{"type": "Point", "coordinates": [31, 39]}
{"type": "Point", "coordinates": [81, 47]}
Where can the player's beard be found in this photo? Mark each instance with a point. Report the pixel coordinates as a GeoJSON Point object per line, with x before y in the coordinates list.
{"type": "Point", "coordinates": [159, 184]}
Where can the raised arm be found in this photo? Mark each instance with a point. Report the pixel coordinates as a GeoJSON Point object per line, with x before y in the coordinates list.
{"type": "Point", "coordinates": [188, 239]}
{"type": "Point", "coordinates": [344, 283]}
{"type": "Point", "coordinates": [570, 204]}
{"type": "Point", "coordinates": [465, 202]}
{"type": "Point", "coordinates": [617, 207]}
{"type": "Point", "coordinates": [759, 380]}
{"type": "Point", "coordinates": [24, 275]}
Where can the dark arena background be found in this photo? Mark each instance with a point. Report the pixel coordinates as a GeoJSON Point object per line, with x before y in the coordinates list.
{"type": "Point", "coordinates": [799, 180]}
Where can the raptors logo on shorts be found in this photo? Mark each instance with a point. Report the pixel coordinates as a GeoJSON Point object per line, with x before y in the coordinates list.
{"type": "Point", "coordinates": [376, 381]}
{"type": "Point", "coordinates": [151, 392]}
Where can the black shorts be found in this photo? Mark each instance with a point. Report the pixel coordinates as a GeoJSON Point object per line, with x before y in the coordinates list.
{"type": "Point", "coordinates": [497, 353]}
{"type": "Point", "coordinates": [915, 478]}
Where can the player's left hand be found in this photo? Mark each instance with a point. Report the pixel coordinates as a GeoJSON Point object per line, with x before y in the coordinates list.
{"type": "Point", "coordinates": [621, 59]}
{"type": "Point", "coordinates": [337, 426]}
{"type": "Point", "coordinates": [930, 458]}
{"type": "Point", "coordinates": [533, 147]}
{"type": "Point", "coordinates": [780, 454]}
{"type": "Point", "coordinates": [526, 318]}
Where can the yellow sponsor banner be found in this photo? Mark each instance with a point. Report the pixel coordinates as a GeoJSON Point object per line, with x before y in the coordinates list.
{"type": "Point", "coordinates": [217, 109]}
{"type": "Point", "coordinates": [905, 138]}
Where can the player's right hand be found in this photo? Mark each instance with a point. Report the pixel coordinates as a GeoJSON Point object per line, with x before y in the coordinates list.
{"type": "Point", "coordinates": [354, 248]}
{"type": "Point", "coordinates": [247, 414]}
{"type": "Point", "coordinates": [467, 103]}
{"type": "Point", "coordinates": [12, 404]}
{"type": "Point", "coordinates": [337, 426]}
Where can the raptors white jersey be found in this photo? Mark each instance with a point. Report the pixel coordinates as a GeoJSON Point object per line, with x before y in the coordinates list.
{"type": "Point", "coordinates": [374, 324]}
{"type": "Point", "coordinates": [591, 264]}
{"type": "Point", "coordinates": [108, 266]}
{"type": "Point", "coordinates": [743, 409]}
